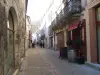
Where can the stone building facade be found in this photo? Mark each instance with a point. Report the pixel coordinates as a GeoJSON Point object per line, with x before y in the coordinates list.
{"type": "Point", "coordinates": [28, 33]}
{"type": "Point", "coordinates": [93, 31]}
{"type": "Point", "coordinates": [12, 35]}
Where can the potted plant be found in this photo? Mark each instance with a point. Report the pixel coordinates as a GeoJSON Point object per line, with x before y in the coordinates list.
{"type": "Point", "coordinates": [78, 42]}
{"type": "Point", "coordinates": [69, 44]}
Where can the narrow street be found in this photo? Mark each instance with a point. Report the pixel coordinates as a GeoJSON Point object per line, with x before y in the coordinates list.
{"type": "Point", "coordinates": [39, 61]}
{"type": "Point", "coordinates": [69, 26]}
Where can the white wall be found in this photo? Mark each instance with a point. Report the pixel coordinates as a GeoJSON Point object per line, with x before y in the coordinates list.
{"type": "Point", "coordinates": [49, 17]}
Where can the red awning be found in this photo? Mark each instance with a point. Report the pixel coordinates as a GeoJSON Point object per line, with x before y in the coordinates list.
{"type": "Point", "coordinates": [73, 26]}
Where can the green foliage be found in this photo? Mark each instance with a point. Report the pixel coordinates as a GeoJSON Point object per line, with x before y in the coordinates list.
{"type": "Point", "coordinates": [78, 42]}
{"type": "Point", "coordinates": [69, 42]}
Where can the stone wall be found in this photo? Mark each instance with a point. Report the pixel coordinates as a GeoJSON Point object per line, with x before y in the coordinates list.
{"type": "Point", "coordinates": [3, 43]}
{"type": "Point", "coordinates": [17, 8]}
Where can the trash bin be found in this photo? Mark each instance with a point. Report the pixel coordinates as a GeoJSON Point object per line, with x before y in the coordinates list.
{"type": "Point", "coordinates": [63, 52]}
{"type": "Point", "coordinates": [80, 60]}
{"type": "Point", "coordinates": [71, 55]}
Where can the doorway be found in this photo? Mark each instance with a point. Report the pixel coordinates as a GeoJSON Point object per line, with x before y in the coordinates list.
{"type": "Point", "coordinates": [10, 44]}
{"type": "Point", "coordinates": [98, 32]}
{"type": "Point", "coordinates": [60, 39]}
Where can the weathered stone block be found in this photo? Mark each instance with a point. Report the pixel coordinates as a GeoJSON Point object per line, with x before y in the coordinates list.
{"type": "Point", "coordinates": [17, 9]}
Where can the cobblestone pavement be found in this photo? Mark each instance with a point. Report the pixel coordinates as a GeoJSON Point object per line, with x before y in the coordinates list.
{"type": "Point", "coordinates": [46, 62]}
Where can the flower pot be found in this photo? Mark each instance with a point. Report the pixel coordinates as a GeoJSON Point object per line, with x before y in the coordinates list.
{"type": "Point", "coordinates": [80, 60]}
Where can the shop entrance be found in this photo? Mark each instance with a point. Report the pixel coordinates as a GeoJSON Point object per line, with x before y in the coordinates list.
{"type": "Point", "coordinates": [98, 32]}
{"type": "Point", "coordinates": [98, 40]}
{"type": "Point", "coordinates": [75, 36]}
{"type": "Point", "coordinates": [60, 39]}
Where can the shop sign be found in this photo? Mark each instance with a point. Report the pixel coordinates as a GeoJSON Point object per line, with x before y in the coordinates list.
{"type": "Point", "coordinates": [73, 26]}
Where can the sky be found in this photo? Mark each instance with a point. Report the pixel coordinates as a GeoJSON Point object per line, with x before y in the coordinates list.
{"type": "Point", "coordinates": [37, 8]}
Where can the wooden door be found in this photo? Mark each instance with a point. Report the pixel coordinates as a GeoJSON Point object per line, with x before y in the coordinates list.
{"type": "Point", "coordinates": [60, 39]}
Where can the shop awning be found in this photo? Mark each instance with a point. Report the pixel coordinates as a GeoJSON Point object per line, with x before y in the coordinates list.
{"type": "Point", "coordinates": [73, 26]}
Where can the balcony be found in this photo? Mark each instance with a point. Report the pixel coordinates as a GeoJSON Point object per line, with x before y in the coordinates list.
{"type": "Point", "coordinates": [54, 22]}
{"type": "Point", "coordinates": [71, 10]}
{"type": "Point", "coordinates": [72, 7]}
{"type": "Point", "coordinates": [59, 18]}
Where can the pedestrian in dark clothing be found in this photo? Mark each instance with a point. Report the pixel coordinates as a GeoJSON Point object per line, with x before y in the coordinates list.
{"type": "Point", "coordinates": [33, 45]}
{"type": "Point", "coordinates": [39, 44]}
{"type": "Point", "coordinates": [43, 45]}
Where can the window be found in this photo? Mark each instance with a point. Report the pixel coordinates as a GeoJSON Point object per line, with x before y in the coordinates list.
{"type": "Point", "coordinates": [10, 42]}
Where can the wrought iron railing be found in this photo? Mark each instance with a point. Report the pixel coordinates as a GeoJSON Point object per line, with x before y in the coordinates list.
{"type": "Point", "coordinates": [54, 22]}
{"type": "Point", "coordinates": [59, 18]}
{"type": "Point", "coordinates": [75, 6]}
{"type": "Point", "coordinates": [72, 7]}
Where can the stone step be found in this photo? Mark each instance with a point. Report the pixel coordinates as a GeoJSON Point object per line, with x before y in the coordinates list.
{"type": "Point", "coordinates": [93, 65]}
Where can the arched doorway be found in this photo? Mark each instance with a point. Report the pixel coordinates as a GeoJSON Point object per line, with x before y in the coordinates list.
{"type": "Point", "coordinates": [10, 42]}
{"type": "Point", "coordinates": [11, 49]}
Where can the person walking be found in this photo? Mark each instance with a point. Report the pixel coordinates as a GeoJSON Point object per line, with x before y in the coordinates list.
{"type": "Point", "coordinates": [33, 45]}
{"type": "Point", "coordinates": [43, 45]}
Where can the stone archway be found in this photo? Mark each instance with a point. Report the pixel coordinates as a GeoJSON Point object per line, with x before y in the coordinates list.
{"type": "Point", "coordinates": [12, 45]}
{"type": "Point", "coordinates": [16, 36]}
